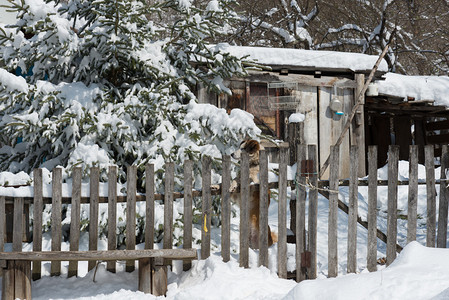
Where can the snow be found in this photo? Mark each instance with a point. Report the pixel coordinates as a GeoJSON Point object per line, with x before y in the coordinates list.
{"type": "Point", "coordinates": [6, 17]}
{"type": "Point", "coordinates": [306, 58]}
{"type": "Point", "coordinates": [12, 82]}
{"type": "Point", "coordinates": [419, 87]}
{"type": "Point", "coordinates": [296, 118]}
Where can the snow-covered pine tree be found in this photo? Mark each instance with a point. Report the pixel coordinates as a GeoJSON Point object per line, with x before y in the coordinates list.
{"type": "Point", "coordinates": [113, 84]}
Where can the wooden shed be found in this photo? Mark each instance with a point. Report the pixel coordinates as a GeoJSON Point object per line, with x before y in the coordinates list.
{"type": "Point", "coordinates": [321, 85]}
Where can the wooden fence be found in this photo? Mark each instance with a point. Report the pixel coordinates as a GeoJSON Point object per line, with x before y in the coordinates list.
{"type": "Point", "coordinates": [306, 184]}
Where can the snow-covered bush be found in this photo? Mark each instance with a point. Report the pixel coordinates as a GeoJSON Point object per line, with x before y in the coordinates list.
{"type": "Point", "coordinates": [112, 83]}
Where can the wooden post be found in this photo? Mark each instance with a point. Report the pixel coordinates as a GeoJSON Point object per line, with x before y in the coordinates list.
{"type": "Point", "coordinates": [444, 195]}
{"type": "Point", "coordinates": [431, 195]}
{"type": "Point", "coordinates": [188, 202]}
{"type": "Point", "coordinates": [56, 227]}
{"type": "Point", "coordinates": [2, 223]}
{"type": "Point", "coordinates": [333, 210]}
{"type": "Point", "coordinates": [301, 195]}
{"type": "Point", "coordinates": [22, 279]}
{"type": "Point", "coordinates": [149, 206]}
{"type": "Point", "coordinates": [412, 194]}
{"type": "Point", "coordinates": [159, 278]}
{"type": "Point", "coordinates": [392, 221]}
{"type": "Point", "coordinates": [282, 212]}
{"type": "Point", "coordinates": [131, 191]}
{"type": "Point", "coordinates": [94, 195]}
{"type": "Point", "coordinates": [112, 214]}
{"type": "Point", "coordinates": [37, 223]}
{"type": "Point", "coordinates": [207, 207]}
{"type": "Point", "coordinates": [263, 208]}
{"type": "Point", "coordinates": [226, 210]}
{"type": "Point", "coordinates": [359, 125]}
{"type": "Point", "coordinates": [75, 219]}
{"type": "Point", "coordinates": [145, 271]}
{"type": "Point", "coordinates": [313, 213]}
{"type": "Point", "coordinates": [244, 211]}
{"type": "Point", "coordinates": [353, 210]}
{"type": "Point", "coordinates": [372, 209]}
{"type": "Point", "coordinates": [295, 137]}
{"type": "Point", "coordinates": [8, 281]}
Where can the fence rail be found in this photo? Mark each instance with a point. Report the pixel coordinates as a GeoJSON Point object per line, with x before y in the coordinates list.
{"type": "Point", "coordinates": [306, 184]}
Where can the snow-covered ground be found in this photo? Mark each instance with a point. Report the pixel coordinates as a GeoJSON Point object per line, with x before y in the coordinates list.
{"type": "Point", "coordinates": [418, 272]}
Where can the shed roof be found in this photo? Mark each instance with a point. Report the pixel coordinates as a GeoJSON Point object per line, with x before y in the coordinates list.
{"type": "Point", "coordinates": [308, 60]}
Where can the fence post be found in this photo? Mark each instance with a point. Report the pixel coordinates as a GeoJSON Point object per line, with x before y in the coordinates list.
{"type": "Point", "coordinates": [431, 194]}
{"type": "Point", "coordinates": [207, 207]}
{"type": "Point", "coordinates": [75, 219]}
{"type": "Point", "coordinates": [188, 199]}
{"type": "Point", "coordinates": [56, 234]}
{"type": "Point", "coordinates": [226, 209]}
{"type": "Point", "coordinates": [301, 194]}
{"type": "Point", "coordinates": [112, 214]}
{"type": "Point", "coordinates": [333, 212]}
{"type": "Point", "coordinates": [149, 206]}
{"type": "Point", "coordinates": [263, 208]}
{"type": "Point", "coordinates": [93, 212]}
{"type": "Point", "coordinates": [353, 210]}
{"type": "Point", "coordinates": [37, 223]}
{"type": "Point", "coordinates": [244, 211]}
{"type": "Point", "coordinates": [412, 194]}
{"type": "Point", "coordinates": [392, 221]}
{"type": "Point", "coordinates": [313, 212]}
{"type": "Point", "coordinates": [131, 186]}
{"type": "Point", "coordinates": [372, 209]}
{"type": "Point", "coordinates": [295, 137]}
{"type": "Point", "coordinates": [282, 212]}
{"type": "Point", "coordinates": [443, 206]}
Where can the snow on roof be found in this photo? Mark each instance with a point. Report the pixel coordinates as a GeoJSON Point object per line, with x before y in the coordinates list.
{"type": "Point", "coordinates": [308, 59]}
{"type": "Point", "coordinates": [419, 87]}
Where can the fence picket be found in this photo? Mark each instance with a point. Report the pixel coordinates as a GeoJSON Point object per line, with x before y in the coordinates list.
{"type": "Point", "coordinates": [372, 209]}
{"type": "Point", "coordinates": [392, 219]}
{"type": "Point", "coordinates": [431, 195]}
{"type": "Point", "coordinates": [353, 211]}
{"type": "Point", "coordinates": [131, 191]}
{"type": "Point", "coordinates": [207, 207]}
{"type": "Point", "coordinates": [112, 214]}
{"type": "Point", "coordinates": [333, 216]}
{"type": "Point", "coordinates": [301, 195]}
{"type": "Point", "coordinates": [313, 212]}
{"type": "Point", "coordinates": [263, 209]}
{"type": "Point", "coordinates": [443, 204]}
{"type": "Point", "coordinates": [188, 200]}
{"type": "Point", "coordinates": [282, 212]}
{"type": "Point", "coordinates": [149, 206]}
{"type": "Point", "coordinates": [93, 212]}
{"type": "Point", "coordinates": [75, 219]}
{"type": "Point", "coordinates": [412, 194]}
{"type": "Point", "coordinates": [56, 227]}
{"type": "Point", "coordinates": [37, 223]}
{"type": "Point", "coordinates": [244, 211]}
{"type": "Point", "coordinates": [226, 210]}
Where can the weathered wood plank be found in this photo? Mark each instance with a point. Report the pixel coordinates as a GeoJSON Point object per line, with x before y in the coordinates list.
{"type": "Point", "coordinates": [131, 191]}
{"type": "Point", "coordinates": [313, 213]}
{"type": "Point", "coordinates": [282, 211]}
{"type": "Point", "coordinates": [2, 222]}
{"type": "Point", "coordinates": [56, 228]}
{"type": "Point", "coordinates": [188, 209]}
{"type": "Point", "coordinates": [392, 221]}
{"type": "Point", "coordinates": [145, 275]}
{"type": "Point", "coordinates": [412, 194]}
{"type": "Point", "coordinates": [18, 224]}
{"type": "Point", "coordinates": [295, 137]}
{"type": "Point", "coordinates": [94, 194]}
{"type": "Point", "coordinates": [353, 210]}
{"type": "Point", "coordinates": [333, 212]}
{"type": "Point", "coordinates": [431, 195]}
{"type": "Point", "coordinates": [159, 278]}
{"type": "Point", "coordinates": [226, 210]}
{"type": "Point", "coordinates": [372, 209]}
{"type": "Point", "coordinates": [244, 211]}
{"type": "Point", "coordinates": [149, 206]}
{"type": "Point", "coordinates": [301, 194]}
{"type": "Point", "coordinates": [22, 280]}
{"type": "Point", "coordinates": [112, 214]}
{"type": "Point", "coordinates": [75, 219]}
{"type": "Point", "coordinates": [443, 204]}
{"type": "Point", "coordinates": [359, 125]}
{"type": "Point", "coordinates": [206, 207]}
{"type": "Point", "coordinates": [100, 255]}
{"type": "Point", "coordinates": [8, 281]}
{"type": "Point", "coordinates": [168, 205]}
{"type": "Point", "coordinates": [37, 222]}
{"type": "Point", "coordinates": [263, 208]}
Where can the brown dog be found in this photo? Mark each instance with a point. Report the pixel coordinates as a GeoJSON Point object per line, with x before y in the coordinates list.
{"type": "Point", "coordinates": [252, 147]}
